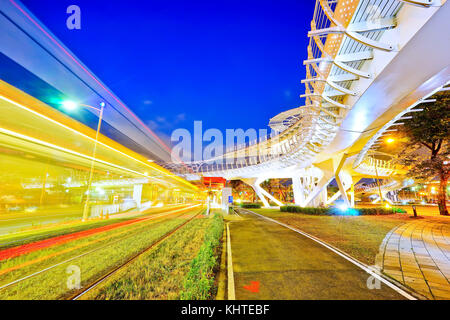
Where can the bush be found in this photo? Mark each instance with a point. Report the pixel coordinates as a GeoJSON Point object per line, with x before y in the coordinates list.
{"type": "Point", "coordinates": [398, 210]}
{"type": "Point", "coordinates": [297, 209]}
{"type": "Point", "coordinates": [251, 205]}
{"type": "Point", "coordinates": [199, 281]}
{"type": "Point", "coordinates": [331, 211]}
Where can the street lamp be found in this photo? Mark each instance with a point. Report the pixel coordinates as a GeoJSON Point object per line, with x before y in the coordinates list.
{"type": "Point", "coordinates": [70, 105]}
{"type": "Point", "coordinates": [390, 140]}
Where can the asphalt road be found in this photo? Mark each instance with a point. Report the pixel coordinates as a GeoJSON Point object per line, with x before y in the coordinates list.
{"type": "Point", "coordinates": [273, 262]}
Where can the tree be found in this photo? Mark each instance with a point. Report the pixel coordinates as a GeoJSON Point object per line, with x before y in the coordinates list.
{"type": "Point", "coordinates": [427, 151]}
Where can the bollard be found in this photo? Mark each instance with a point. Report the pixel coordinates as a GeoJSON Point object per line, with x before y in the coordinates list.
{"type": "Point", "coordinates": [415, 211]}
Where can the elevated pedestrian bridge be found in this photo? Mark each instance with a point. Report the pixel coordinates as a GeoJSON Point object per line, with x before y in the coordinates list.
{"type": "Point", "coordinates": [369, 65]}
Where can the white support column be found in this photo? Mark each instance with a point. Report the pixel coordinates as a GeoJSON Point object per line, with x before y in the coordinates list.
{"type": "Point", "coordinates": [268, 195]}
{"type": "Point", "coordinates": [354, 180]}
{"type": "Point", "coordinates": [327, 175]}
{"type": "Point", "coordinates": [342, 190]}
{"type": "Point", "coordinates": [384, 194]}
{"type": "Point", "coordinates": [352, 195]}
{"type": "Point", "coordinates": [347, 185]}
{"type": "Point", "coordinates": [260, 196]}
{"type": "Point", "coordinates": [324, 196]}
{"type": "Point", "coordinates": [252, 183]}
{"type": "Point", "coordinates": [137, 194]}
{"type": "Point", "coordinates": [299, 190]}
{"type": "Point", "coordinates": [334, 197]}
{"type": "Point", "coordinates": [323, 183]}
{"type": "Point", "coordinates": [264, 192]}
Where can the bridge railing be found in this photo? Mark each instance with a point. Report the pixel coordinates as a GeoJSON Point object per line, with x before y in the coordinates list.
{"type": "Point", "coordinates": [343, 36]}
{"type": "Point", "coordinates": [317, 121]}
{"type": "Point", "coordinates": [376, 167]}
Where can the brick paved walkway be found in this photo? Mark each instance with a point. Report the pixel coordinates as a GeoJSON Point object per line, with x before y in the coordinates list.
{"type": "Point", "coordinates": [417, 254]}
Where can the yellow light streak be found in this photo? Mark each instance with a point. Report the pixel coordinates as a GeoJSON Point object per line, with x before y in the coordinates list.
{"type": "Point", "coordinates": [149, 165]}
{"type": "Point", "coordinates": [50, 145]}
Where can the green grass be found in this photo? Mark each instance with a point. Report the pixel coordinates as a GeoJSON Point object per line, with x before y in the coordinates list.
{"type": "Point", "coordinates": [161, 273]}
{"type": "Point", "coordinates": [112, 252]}
{"type": "Point", "coordinates": [250, 205]}
{"type": "Point", "coordinates": [359, 236]}
{"type": "Point", "coordinates": [199, 282]}
{"type": "Point", "coordinates": [331, 211]}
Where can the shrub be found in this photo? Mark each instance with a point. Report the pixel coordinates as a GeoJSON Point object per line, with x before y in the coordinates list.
{"type": "Point", "coordinates": [398, 210]}
{"type": "Point", "coordinates": [199, 281]}
{"type": "Point", "coordinates": [251, 205]}
{"type": "Point", "coordinates": [333, 211]}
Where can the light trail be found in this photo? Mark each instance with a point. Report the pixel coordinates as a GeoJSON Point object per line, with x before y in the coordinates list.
{"type": "Point", "coordinates": [149, 165]}
{"type": "Point", "coordinates": [67, 250]}
{"type": "Point", "coordinates": [34, 246]}
{"type": "Point", "coordinates": [95, 250]}
{"type": "Point", "coordinates": [89, 74]}
{"type": "Point", "coordinates": [98, 82]}
{"type": "Point", "coordinates": [53, 146]}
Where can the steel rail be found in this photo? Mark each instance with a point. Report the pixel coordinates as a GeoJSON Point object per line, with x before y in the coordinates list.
{"type": "Point", "coordinates": [163, 218]}
{"type": "Point", "coordinates": [109, 274]}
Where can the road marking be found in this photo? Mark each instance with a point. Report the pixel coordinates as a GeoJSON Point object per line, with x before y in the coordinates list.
{"type": "Point", "coordinates": [231, 291]}
{"type": "Point", "coordinates": [253, 286]}
{"type": "Point", "coordinates": [343, 255]}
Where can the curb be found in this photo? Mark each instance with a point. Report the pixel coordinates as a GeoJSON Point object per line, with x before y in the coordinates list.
{"type": "Point", "coordinates": [231, 291]}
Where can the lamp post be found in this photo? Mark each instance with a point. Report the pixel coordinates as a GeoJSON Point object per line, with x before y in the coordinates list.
{"type": "Point", "coordinates": [71, 106]}
{"type": "Point", "coordinates": [378, 181]}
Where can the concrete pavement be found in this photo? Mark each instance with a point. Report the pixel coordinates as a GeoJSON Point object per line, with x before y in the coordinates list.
{"type": "Point", "coordinates": [417, 254]}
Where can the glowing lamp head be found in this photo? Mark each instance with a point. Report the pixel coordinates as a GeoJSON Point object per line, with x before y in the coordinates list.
{"type": "Point", "coordinates": [342, 207]}
{"type": "Point", "coordinates": [390, 140]}
{"type": "Point", "coordinates": [69, 105]}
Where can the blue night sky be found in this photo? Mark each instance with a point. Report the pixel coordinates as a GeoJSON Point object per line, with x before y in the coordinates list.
{"type": "Point", "coordinates": [232, 64]}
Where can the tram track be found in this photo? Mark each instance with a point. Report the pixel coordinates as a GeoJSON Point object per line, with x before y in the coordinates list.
{"type": "Point", "coordinates": [112, 272]}
{"type": "Point", "coordinates": [196, 212]}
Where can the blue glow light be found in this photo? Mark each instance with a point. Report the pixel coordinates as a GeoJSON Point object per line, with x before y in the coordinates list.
{"type": "Point", "coordinates": [342, 209]}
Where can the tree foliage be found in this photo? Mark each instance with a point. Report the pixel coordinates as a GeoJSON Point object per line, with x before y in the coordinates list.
{"type": "Point", "coordinates": [426, 149]}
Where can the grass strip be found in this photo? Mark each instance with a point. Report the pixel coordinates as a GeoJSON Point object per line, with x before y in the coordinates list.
{"type": "Point", "coordinates": [359, 236]}
{"type": "Point", "coordinates": [199, 282]}
{"type": "Point", "coordinates": [158, 274]}
{"type": "Point", "coordinates": [332, 211]}
{"type": "Point", "coordinates": [23, 265]}
{"type": "Point", "coordinates": [53, 283]}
